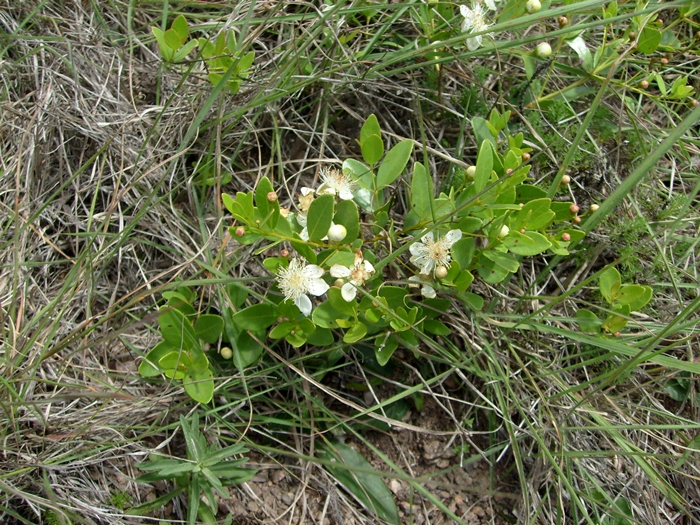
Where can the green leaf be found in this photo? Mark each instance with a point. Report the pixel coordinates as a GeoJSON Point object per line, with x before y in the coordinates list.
{"type": "Point", "coordinates": [248, 350]}
{"type": "Point", "coordinates": [610, 283]}
{"type": "Point", "coordinates": [180, 55]}
{"type": "Point", "coordinates": [156, 504]}
{"type": "Point", "coordinates": [472, 300]}
{"type": "Point", "coordinates": [339, 304]}
{"type": "Point", "coordinates": [436, 327]}
{"type": "Point", "coordinates": [384, 347]}
{"type": "Point", "coordinates": [463, 281]}
{"type": "Point", "coordinates": [534, 215]}
{"type": "Point", "coordinates": [649, 40]}
{"type": "Point", "coordinates": [463, 251]}
{"type": "Point", "coordinates": [172, 39]}
{"type": "Point", "coordinates": [177, 329]}
{"type": "Point", "coordinates": [181, 29]}
{"type": "Point", "coordinates": [482, 132]}
{"type": "Point", "coordinates": [528, 243]}
{"type": "Point", "coordinates": [149, 367]}
{"type": "Point", "coordinates": [165, 50]}
{"type": "Point", "coordinates": [256, 317]}
{"type": "Point", "coordinates": [324, 315]}
{"type": "Point", "coordinates": [372, 149]}
{"type": "Point", "coordinates": [356, 333]}
{"type": "Point", "coordinates": [281, 330]}
{"type": "Point", "coordinates": [421, 193]}
{"type": "Point", "coordinates": [394, 163]}
{"type": "Point", "coordinates": [269, 211]}
{"type": "Point", "coordinates": [368, 488]}
{"type": "Point", "coordinates": [320, 337]}
{"type": "Point", "coordinates": [369, 128]}
{"type": "Point", "coordinates": [635, 296]}
{"type": "Point", "coordinates": [346, 213]}
{"type": "Point", "coordinates": [484, 166]}
{"type": "Point", "coordinates": [320, 217]}
{"type": "Point", "coordinates": [209, 327]}
{"type": "Point", "coordinates": [587, 321]}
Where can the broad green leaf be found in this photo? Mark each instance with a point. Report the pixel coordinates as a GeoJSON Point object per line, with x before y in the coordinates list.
{"type": "Point", "coordinates": [610, 282]}
{"type": "Point", "coordinates": [635, 296]}
{"type": "Point", "coordinates": [372, 149]}
{"type": "Point", "coordinates": [325, 315]}
{"type": "Point", "coordinates": [384, 347]}
{"type": "Point", "coordinates": [356, 333]}
{"type": "Point", "coordinates": [649, 40]}
{"type": "Point", "coordinates": [463, 281]}
{"type": "Point", "coordinates": [502, 260]}
{"type": "Point", "coordinates": [149, 367]}
{"type": "Point", "coordinates": [484, 166]}
{"type": "Point", "coordinates": [181, 29]}
{"type": "Point", "coordinates": [394, 163]}
{"type": "Point", "coordinates": [256, 317]}
{"type": "Point", "coordinates": [320, 337]}
{"type": "Point", "coordinates": [534, 215]}
{"type": "Point", "coordinates": [346, 213]}
{"type": "Point", "coordinates": [248, 350]}
{"type": "Point", "coordinates": [436, 327]}
{"type": "Point", "coordinates": [320, 217]}
{"type": "Point", "coordinates": [281, 330]}
{"type": "Point", "coordinates": [177, 329]}
{"type": "Point", "coordinates": [528, 243]}
{"type": "Point", "coordinates": [165, 50]}
{"type": "Point", "coordinates": [209, 327]}
{"type": "Point", "coordinates": [472, 300]}
{"type": "Point", "coordinates": [361, 483]}
{"type": "Point", "coordinates": [421, 193]}
{"type": "Point", "coordinates": [463, 251]}
{"type": "Point", "coordinates": [482, 132]}
{"type": "Point", "coordinates": [338, 303]}
{"type": "Point", "coordinates": [172, 39]}
{"type": "Point", "coordinates": [587, 320]}
{"type": "Point", "coordinates": [369, 128]}
{"type": "Point", "coordinates": [269, 211]}
{"type": "Point", "coordinates": [180, 55]}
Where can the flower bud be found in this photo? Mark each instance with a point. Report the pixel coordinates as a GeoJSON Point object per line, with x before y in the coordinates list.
{"type": "Point", "coordinates": [240, 231]}
{"type": "Point", "coordinates": [226, 352]}
{"type": "Point", "coordinates": [533, 6]}
{"type": "Point", "coordinates": [694, 102]}
{"type": "Point", "coordinates": [574, 209]}
{"type": "Point", "coordinates": [565, 180]}
{"type": "Point", "coordinates": [664, 61]}
{"type": "Point", "coordinates": [565, 237]}
{"type": "Point", "coordinates": [284, 252]}
{"type": "Point", "coordinates": [594, 208]}
{"type": "Point", "coordinates": [338, 283]}
{"type": "Point", "coordinates": [505, 230]}
{"type": "Point", "coordinates": [441, 272]}
{"type": "Point", "coordinates": [563, 21]}
{"type": "Point", "coordinates": [337, 233]}
{"type": "Point", "coordinates": [644, 84]}
{"type": "Point", "coordinates": [526, 156]}
{"type": "Point", "coordinates": [272, 196]}
{"type": "Point", "coordinates": [577, 220]}
{"type": "Point", "coordinates": [543, 50]}
{"type": "Point", "coordinates": [471, 172]}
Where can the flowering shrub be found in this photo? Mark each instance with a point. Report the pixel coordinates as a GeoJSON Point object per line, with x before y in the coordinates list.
{"type": "Point", "coordinates": [341, 270]}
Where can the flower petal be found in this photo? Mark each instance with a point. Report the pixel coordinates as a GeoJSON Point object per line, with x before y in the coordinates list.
{"type": "Point", "coordinates": [304, 234]}
{"type": "Point", "coordinates": [304, 304]}
{"type": "Point", "coordinates": [428, 291]}
{"type": "Point", "coordinates": [349, 292]}
{"type": "Point", "coordinates": [452, 237]}
{"type": "Point", "coordinates": [490, 4]}
{"type": "Point", "coordinates": [313, 271]}
{"type": "Point", "coordinates": [474, 43]}
{"type": "Point", "coordinates": [345, 194]}
{"type": "Point", "coordinates": [368, 267]}
{"type": "Point", "coordinates": [339, 271]}
{"type": "Point", "coordinates": [317, 287]}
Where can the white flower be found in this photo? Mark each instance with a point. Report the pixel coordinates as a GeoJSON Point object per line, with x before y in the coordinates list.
{"type": "Point", "coordinates": [307, 197]}
{"type": "Point", "coordinates": [491, 4]}
{"type": "Point", "coordinates": [356, 274]}
{"type": "Point", "coordinates": [335, 182]}
{"type": "Point", "coordinates": [429, 253]}
{"type": "Point", "coordinates": [297, 280]}
{"type": "Point", "coordinates": [426, 289]}
{"type": "Point", "coordinates": [474, 23]}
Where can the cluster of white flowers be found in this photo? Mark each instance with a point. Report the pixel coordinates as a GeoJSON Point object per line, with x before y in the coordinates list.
{"type": "Point", "coordinates": [298, 280]}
